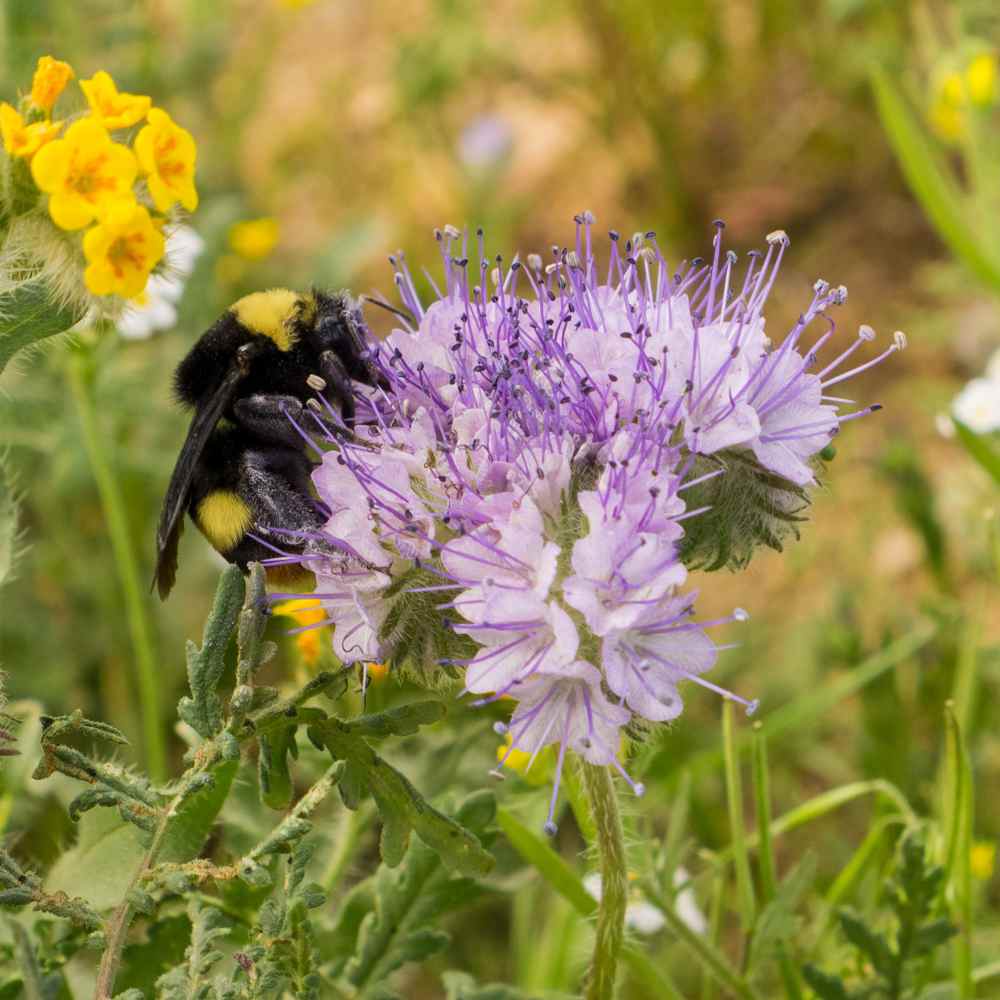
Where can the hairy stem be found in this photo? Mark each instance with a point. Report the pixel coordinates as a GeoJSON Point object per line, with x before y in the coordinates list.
{"type": "Point", "coordinates": [126, 565]}
{"type": "Point", "coordinates": [116, 929]}
{"type": "Point", "coordinates": [614, 882]}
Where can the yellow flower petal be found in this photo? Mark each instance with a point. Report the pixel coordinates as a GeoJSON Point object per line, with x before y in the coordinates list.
{"type": "Point", "coordinates": [166, 153]}
{"type": "Point", "coordinates": [121, 251]}
{"type": "Point", "coordinates": [51, 77]}
{"type": "Point", "coordinates": [68, 212]}
{"type": "Point", "coordinates": [113, 108]}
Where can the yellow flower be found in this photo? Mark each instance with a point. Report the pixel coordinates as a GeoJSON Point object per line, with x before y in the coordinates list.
{"type": "Point", "coordinates": [24, 140]}
{"type": "Point", "coordinates": [87, 175]}
{"type": "Point", "coordinates": [51, 77]}
{"type": "Point", "coordinates": [540, 773]}
{"type": "Point", "coordinates": [255, 238]}
{"type": "Point", "coordinates": [306, 612]}
{"type": "Point", "coordinates": [120, 252]}
{"type": "Point", "coordinates": [981, 79]}
{"type": "Point", "coordinates": [377, 672]}
{"type": "Point", "coordinates": [166, 154]}
{"type": "Point", "coordinates": [982, 856]}
{"type": "Point", "coordinates": [111, 108]}
{"type": "Point", "coordinates": [947, 110]}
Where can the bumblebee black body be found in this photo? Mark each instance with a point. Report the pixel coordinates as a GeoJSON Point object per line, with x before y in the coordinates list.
{"type": "Point", "coordinates": [244, 469]}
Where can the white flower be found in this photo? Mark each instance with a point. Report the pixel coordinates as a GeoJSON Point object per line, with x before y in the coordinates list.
{"type": "Point", "coordinates": [978, 406]}
{"type": "Point", "coordinates": [645, 918]}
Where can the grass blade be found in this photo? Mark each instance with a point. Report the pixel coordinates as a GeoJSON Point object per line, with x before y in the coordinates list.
{"type": "Point", "coordinates": [933, 187]}
{"type": "Point", "coordinates": [734, 803]}
{"type": "Point", "coordinates": [980, 448]}
{"type": "Point", "coordinates": [958, 822]}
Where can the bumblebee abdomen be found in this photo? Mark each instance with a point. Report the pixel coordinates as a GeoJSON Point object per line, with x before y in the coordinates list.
{"type": "Point", "coordinates": [224, 518]}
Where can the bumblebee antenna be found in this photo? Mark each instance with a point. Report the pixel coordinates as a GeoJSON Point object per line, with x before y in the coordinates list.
{"type": "Point", "coordinates": [377, 300]}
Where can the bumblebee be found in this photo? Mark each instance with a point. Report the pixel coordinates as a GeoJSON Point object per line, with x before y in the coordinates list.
{"type": "Point", "coordinates": [244, 469]}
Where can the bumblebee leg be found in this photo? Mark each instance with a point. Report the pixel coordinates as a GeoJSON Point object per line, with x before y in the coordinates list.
{"type": "Point", "coordinates": [269, 418]}
{"type": "Point", "coordinates": [338, 385]}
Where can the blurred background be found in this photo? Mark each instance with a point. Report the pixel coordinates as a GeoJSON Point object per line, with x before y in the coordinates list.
{"type": "Point", "coordinates": [331, 133]}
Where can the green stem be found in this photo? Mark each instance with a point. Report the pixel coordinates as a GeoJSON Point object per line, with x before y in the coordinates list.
{"type": "Point", "coordinates": [351, 828]}
{"type": "Point", "coordinates": [614, 881]}
{"type": "Point", "coordinates": [126, 564]}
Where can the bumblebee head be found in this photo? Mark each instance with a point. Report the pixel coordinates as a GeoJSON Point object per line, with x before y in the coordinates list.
{"type": "Point", "coordinates": [277, 330]}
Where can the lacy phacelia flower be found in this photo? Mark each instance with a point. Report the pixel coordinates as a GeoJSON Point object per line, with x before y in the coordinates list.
{"type": "Point", "coordinates": [51, 77]}
{"type": "Point", "coordinates": [166, 154]}
{"type": "Point", "coordinates": [517, 502]}
{"type": "Point", "coordinates": [87, 175]}
{"type": "Point", "coordinates": [20, 139]}
{"type": "Point", "coordinates": [112, 108]}
{"type": "Point", "coordinates": [121, 252]}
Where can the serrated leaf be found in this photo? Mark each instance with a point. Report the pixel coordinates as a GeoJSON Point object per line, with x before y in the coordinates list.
{"type": "Point", "coordinates": [205, 665]}
{"type": "Point", "coordinates": [826, 987]}
{"type": "Point", "coordinates": [29, 315]}
{"type": "Point", "coordinates": [276, 788]}
{"type": "Point", "coordinates": [401, 721]}
{"type": "Point", "coordinates": [100, 866]}
{"type": "Point", "coordinates": [870, 943]}
{"type": "Point", "coordinates": [407, 902]}
{"type": "Point", "coordinates": [402, 807]}
{"type": "Point", "coordinates": [930, 936]}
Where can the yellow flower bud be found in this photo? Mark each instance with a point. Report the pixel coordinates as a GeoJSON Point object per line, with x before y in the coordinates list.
{"type": "Point", "coordinates": [51, 77]}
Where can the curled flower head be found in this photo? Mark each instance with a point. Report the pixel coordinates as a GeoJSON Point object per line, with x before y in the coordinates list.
{"type": "Point", "coordinates": [50, 79]}
{"type": "Point", "coordinates": [87, 175]}
{"type": "Point", "coordinates": [166, 154]}
{"type": "Point", "coordinates": [111, 107]}
{"type": "Point", "coordinates": [552, 450]}
{"type": "Point", "coordinates": [20, 139]}
{"type": "Point", "coordinates": [121, 252]}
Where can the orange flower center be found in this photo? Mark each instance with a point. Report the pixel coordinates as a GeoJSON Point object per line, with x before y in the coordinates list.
{"type": "Point", "coordinates": [127, 251]}
{"type": "Point", "coordinates": [86, 180]}
{"type": "Point", "coordinates": [165, 165]}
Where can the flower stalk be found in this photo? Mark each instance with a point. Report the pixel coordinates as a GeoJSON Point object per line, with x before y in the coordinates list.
{"type": "Point", "coordinates": [603, 799]}
{"type": "Point", "coordinates": [126, 566]}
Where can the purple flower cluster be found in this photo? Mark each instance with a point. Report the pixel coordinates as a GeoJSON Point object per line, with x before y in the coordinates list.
{"type": "Point", "coordinates": [532, 456]}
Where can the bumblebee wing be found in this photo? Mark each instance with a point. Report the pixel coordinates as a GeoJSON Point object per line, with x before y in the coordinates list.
{"type": "Point", "coordinates": [168, 531]}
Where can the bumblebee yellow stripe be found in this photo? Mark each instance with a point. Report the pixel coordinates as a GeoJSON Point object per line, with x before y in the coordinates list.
{"type": "Point", "coordinates": [271, 313]}
{"type": "Point", "coordinates": [224, 518]}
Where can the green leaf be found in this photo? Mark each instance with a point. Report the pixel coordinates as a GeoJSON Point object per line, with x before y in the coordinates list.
{"type": "Point", "coordinates": [101, 865]}
{"type": "Point", "coordinates": [189, 827]}
{"type": "Point", "coordinates": [402, 807]}
{"type": "Point", "coordinates": [777, 925]}
{"type": "Point", "coordinates": [407, 901]}
{"type": "Point", "coordinates": [402, 721]}
{"type": "Point", "coordinates": [937, 193]}
{"type": "Point", "coordinates": [276, 788]}
{"type": "Point", "coordinates": [827, 987]}
{"type": "Point", "coordinates": [929, 936]}
{"type": "Point", "coordinates": [29, 315]}
{"type": "Point", "coordinates": [205, 666]}
{"type": "Point", "coordinates": [871, 944]}
{"type": "Point", "coordinates": [547, 862]}
{"type": "Point", "coordinates": [144, 962]}
{"type": "Point", "coordinates": [462, 986]}
{"type": "Point", "coordinates": [980, 447]}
